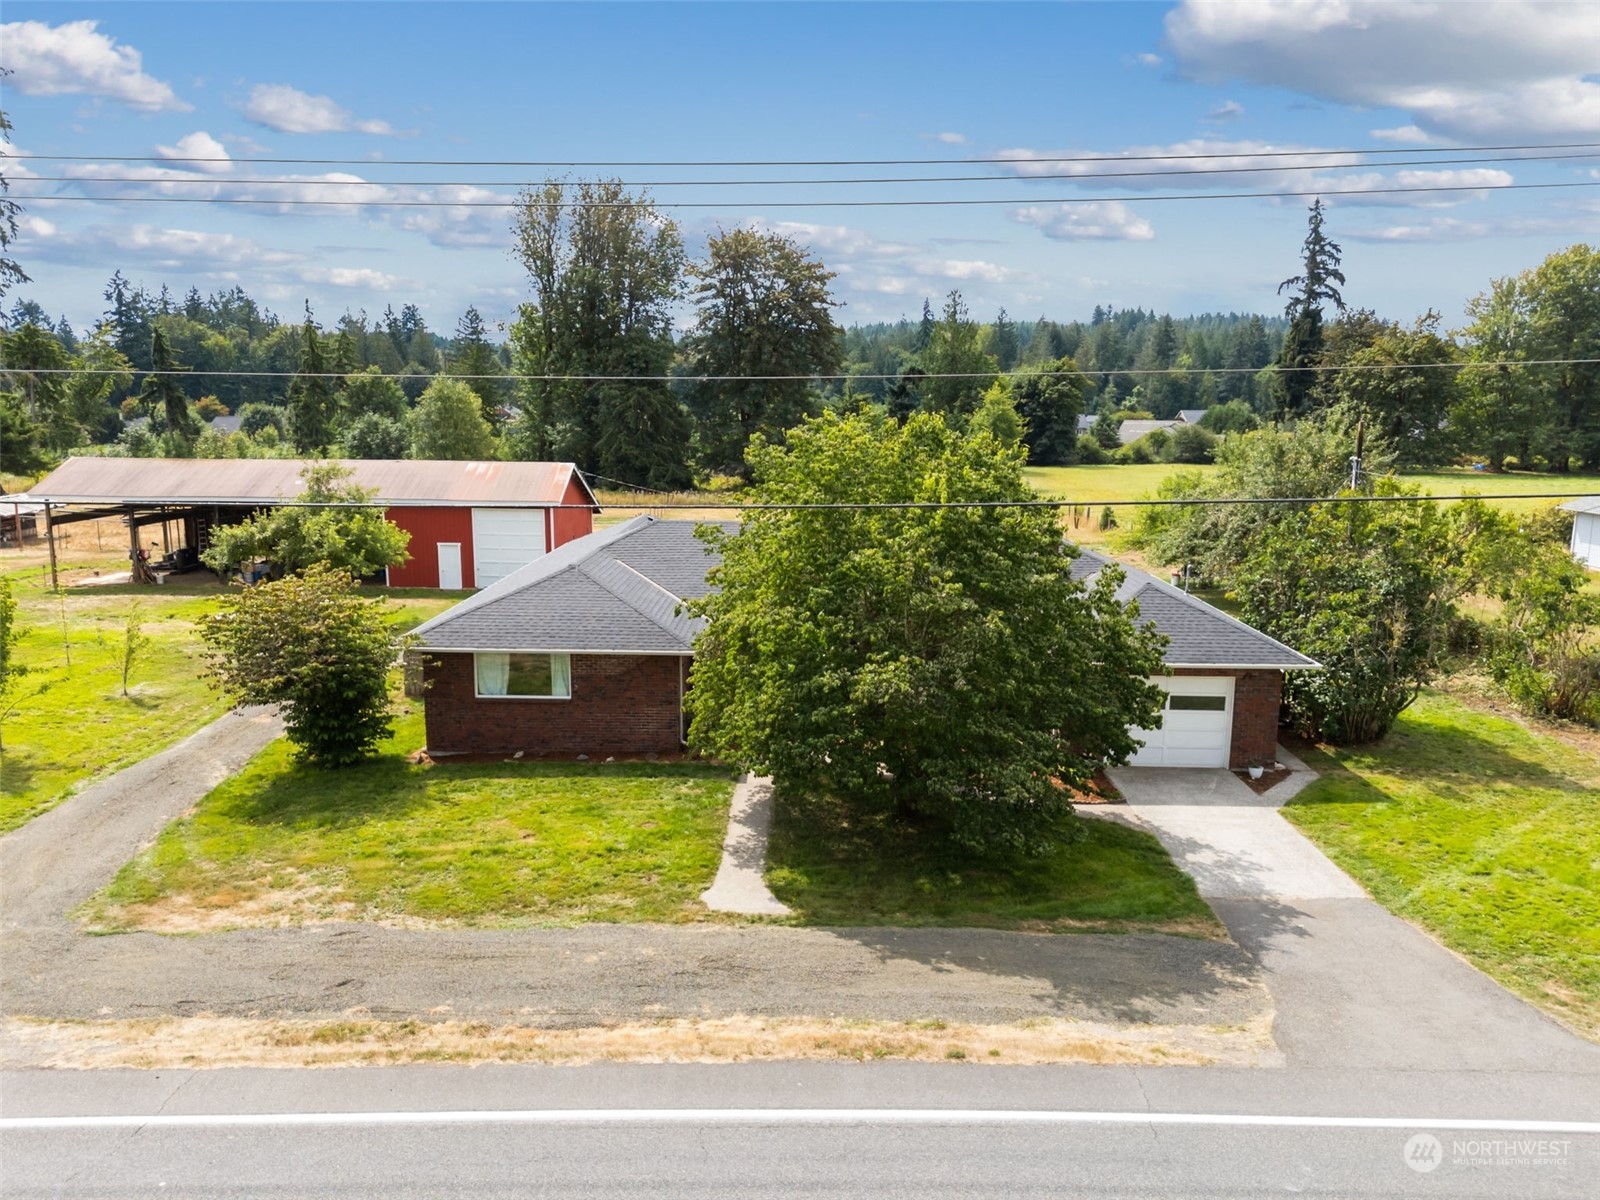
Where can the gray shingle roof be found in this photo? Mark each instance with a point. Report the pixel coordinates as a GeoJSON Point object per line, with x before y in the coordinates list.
{"type": "Point", "coordinates": [614, 591]}
{"type": "Point", "coordinates": [1587, 504]}
{"type": "Point", "coordinates": [1199, 634]}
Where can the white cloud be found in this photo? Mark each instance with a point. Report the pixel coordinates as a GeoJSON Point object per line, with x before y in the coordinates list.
{"type": "Point", "coordinates": [1228, 110]}
{"type": "Point", "coordinates": [951, 139]}
{"type": "Point", "coordinates": [1148, 60]}
{"type": "Point", "coordinates": [1409, 135]}
{"type": "Point", "coordinates": [198, 252]}
{"type": "Point", "coordinates": [1519, 68]}
{"type": "Point", "coordinates": [76, 60]}
{"type": "Point", "coordinates": [1101, 221]}
{"type": "Point", "coordinates": [289, 110]}
{"type": "Point", "coordinates": [1574, 219]}
{"type": "Point", "coordinates": [356, 277]}
{"type": "Point", "coordinates": [199, 144]}
{"type": "Point", "coordinates": [837, 240]}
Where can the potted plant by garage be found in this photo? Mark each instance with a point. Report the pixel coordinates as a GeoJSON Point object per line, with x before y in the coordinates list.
{"type": "Point", "coordinates": [1257, 768]}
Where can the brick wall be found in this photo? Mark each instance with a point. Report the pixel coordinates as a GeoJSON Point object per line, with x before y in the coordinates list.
{"type": "Point", "coordinates": [1257, 697]}
{"type": "Point", "coordinates": [621, 704]}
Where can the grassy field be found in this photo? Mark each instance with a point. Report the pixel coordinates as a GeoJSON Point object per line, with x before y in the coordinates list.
{"type": "Point", "coordinates": [502, 843]}
{"type": "Point", "coordinates": [1483, 832]}
{"type": "Point", "coordinates": [1116, 879]}
{"type": "Point", "coordinates": [81, 726]}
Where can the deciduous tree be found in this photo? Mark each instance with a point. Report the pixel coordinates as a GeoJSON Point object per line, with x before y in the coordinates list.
{"type": "Point", "coordinates": [311, 644]}
{"type": "Point", "coordinates": [936, 663]}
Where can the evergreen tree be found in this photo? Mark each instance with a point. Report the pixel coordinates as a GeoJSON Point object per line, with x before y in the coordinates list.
{"type": "Point", "coordinates": [959, 371]}
{"type": "Point", "coordinates": [473, 359]}
{"type": "Point", "coordinates": [1003, 343]}
{"type": "Point", "coordinates": [161, 395]}
{"type": "Point", "coordinates": [1308, 292]}
{"type": "Point", "coordinates": [311, 404]}
{"type": "Point", "coordinates": [10, 272]}
{"type": "Point", "coordinates": [925, 327]}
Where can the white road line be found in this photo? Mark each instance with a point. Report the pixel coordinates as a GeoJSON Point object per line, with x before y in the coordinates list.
{"type": "Point", "coordinates": [777, 1116]}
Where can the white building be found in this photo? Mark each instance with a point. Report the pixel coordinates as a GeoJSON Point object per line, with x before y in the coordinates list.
{"type": "Point", "coordinates": [1585, 530]}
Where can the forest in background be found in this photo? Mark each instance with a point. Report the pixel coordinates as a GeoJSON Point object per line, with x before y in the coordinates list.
{"type": "Point", "coordinates": [599, 367]}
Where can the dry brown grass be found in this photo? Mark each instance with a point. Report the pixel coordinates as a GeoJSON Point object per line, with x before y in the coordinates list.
{"type": "Point", "coordinates": [169, 1043]}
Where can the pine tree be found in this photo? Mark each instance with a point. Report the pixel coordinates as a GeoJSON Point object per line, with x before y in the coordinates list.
{"type": "Point", "coordinates": [473, 358]}
{"type": "Point", "coordinates": [162, 391]}
{"type": "Point", "coordinates": [924, 328]}
{"type": "Point", "coordinates": [311, 404]}
{"type": "Point", "coordinates": [1004, 343]}
{"type": "Point", "coordinates": [1308, 292]}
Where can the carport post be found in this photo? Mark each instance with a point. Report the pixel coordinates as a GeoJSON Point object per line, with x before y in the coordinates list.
{"type": "Point", "coordinates": [50, 536]}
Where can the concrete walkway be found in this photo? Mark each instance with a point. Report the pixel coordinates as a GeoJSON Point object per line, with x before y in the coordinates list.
{"type": "Point", "coordinates": [739, 886]}
{"type": "Point", "coordinates": [1354, 987]}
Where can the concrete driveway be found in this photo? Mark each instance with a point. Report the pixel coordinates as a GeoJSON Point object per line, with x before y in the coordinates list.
{"type": "Point", "coordinates": [1354, 986]}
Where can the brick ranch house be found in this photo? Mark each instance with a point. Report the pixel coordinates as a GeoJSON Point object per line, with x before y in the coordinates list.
{"type": "Point", "coordinates": [585, 651]}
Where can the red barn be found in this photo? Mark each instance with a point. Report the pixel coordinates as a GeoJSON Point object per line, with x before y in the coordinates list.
{"type": "Point", "coordinates": [471, 523]}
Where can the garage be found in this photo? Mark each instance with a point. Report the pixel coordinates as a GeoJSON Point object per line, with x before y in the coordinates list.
{"type": "Point", "coordinates": [1196, 724]}
{"type": "Point", "coordinates": [504, 539]}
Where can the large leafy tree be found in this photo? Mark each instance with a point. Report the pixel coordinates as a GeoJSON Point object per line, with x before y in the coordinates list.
{"type": "Point", "coordinates": [762, 309]}
{"type": "Point", "coordinates": [940, 663]}
{"type": "Point", "coordinates": [605, 267]}
{"type": "Point", "coordinates": [1563, 308]}
{"type": "Point", "coordinates": [1368, 590]}
{"type": "Point", "coordinates": [313, 645]}
{"type": "Point", "coordinates": [1403, 387]}
{"type": "Point", "coordinates": [1049, 399]}
{"type": "Point", "coordinates": [335, 524]}
{"type": "Point", "coordinates": [1317, 285]}
{"type": "Point", "coordinates": [448, 423]}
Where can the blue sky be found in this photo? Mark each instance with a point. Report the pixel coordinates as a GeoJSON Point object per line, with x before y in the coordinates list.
{"type": "Point", "coordinates": [378, 82]}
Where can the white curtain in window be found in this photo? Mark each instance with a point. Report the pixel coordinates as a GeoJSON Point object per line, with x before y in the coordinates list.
{"type": "Point", "coordinates": [560, 675]}
{"type": "Point", "coordinates": [494, 673]}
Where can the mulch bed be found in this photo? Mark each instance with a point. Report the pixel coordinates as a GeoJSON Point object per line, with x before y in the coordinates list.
{"type": "Point", "coordinates": [1269, 779]}
{"type": "Point", "coordinates": [1099, 790]}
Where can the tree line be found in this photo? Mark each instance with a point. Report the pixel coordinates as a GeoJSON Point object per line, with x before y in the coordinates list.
{"type": "Point", "coordinates": [654, 368]}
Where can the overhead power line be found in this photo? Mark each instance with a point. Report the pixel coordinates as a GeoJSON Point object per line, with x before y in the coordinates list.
{"type": "Point", "coordinates": [799, 162]}
{"type": "Point", "coordinates": [838, 375]}
{"type": "Point", "coordinates": [915, 505]}
{"type": "Point", "coordinates": [1195, 173]}
{"type": "Point", "coordinates": [749, 204]}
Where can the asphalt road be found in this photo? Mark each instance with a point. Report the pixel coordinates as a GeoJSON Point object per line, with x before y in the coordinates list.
{"type": "Point", "coordinates": [887, 1130]}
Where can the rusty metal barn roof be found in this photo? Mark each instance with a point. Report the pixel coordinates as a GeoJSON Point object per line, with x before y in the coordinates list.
{"type": "Point", "coordinates": [398, 483]}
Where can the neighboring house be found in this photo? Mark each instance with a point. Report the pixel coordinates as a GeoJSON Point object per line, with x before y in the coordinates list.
{"type": "Point", "coordinates": [1132, 431]}
{"type": "Point", "coordinates": [1585, 530]}
{"type": "Point", "coordinates": [1086, 423]}
{"type": "Point", "coordinates": [471, 523]}
{"type": "Point", "coordinates": [1190, 416]}
{"type": "Point", "coordinates": [586, 652]}
{"type": "Point", "coordinates": [229, 424]}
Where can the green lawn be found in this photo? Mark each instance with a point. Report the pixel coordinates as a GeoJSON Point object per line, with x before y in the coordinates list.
{"type": "Point", "coordinates": [499, 843]}
{"type": "Point", "coordinates": [1483, 833]}
{"type": "Point", "coordinates": [1114, 879]}
{"type": "Point", "coordinates": [82, 726]}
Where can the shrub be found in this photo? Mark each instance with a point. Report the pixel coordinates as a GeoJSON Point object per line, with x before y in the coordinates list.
{"type": "Point", "coordinates": [312, 645]}
{"type": "Point", "coordinates": [1190, 444]}
{"type": "Point", "coordinates": [1089, 451]}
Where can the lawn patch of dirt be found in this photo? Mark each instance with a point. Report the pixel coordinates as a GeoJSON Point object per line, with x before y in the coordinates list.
{"type": "Point", "coordinates": [355, 1040]}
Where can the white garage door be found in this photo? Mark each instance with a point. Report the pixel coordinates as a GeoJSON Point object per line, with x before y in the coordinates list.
{"type": "Point", "coordinates": [504, 539]}
{"type": "Point", "coordinates": [1196, 724]}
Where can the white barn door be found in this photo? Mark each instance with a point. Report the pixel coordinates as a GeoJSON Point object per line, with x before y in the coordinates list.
{"type": "Point", "coordinates": [504, 539]}
{"type": "Point", "coordinates": [1196, 724]}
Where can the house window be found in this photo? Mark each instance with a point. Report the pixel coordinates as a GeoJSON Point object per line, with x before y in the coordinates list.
{"type": "Point", "coordinates": [524, 676]}
{"type": "Point", "coordinates": [1197, 703]}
